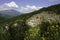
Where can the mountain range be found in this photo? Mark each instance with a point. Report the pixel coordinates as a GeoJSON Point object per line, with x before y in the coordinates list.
{"type": "Point", "coordinates": [9, 13]}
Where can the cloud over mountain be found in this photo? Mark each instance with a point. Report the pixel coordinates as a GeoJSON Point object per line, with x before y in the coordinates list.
{"type": "Point", "coordinates": [8, 6]}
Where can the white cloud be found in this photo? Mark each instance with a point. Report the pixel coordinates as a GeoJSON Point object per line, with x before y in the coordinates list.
{"type": "Point", "coordinates": [33, 7]}
{"type": "Point", "coordinates": [29, 8]}
{"type": "Point", "coordinates": [12, 4]}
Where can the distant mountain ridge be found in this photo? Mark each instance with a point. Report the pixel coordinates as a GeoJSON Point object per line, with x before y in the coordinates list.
{"type": "Point", "coordinates": [10, 13]}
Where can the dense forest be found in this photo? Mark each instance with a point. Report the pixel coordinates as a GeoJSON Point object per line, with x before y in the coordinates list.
{"type": "Point", "coordinates": [16, 28]}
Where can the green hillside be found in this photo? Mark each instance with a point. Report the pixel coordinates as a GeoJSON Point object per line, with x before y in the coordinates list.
{"type": "Point", "coordinates": [42, 24]}
{"type": "Point", "coordinates": [2, 19]}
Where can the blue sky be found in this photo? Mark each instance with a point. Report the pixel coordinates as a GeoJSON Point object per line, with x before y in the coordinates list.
{"type": "Point", "coordinates": [32, 2]}
{"type": "Point", "coordinates": [26, 5]}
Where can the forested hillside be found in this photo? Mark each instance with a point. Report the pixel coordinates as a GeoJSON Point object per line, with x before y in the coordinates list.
{"type": "Point", "coordinates": [42, 24]}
